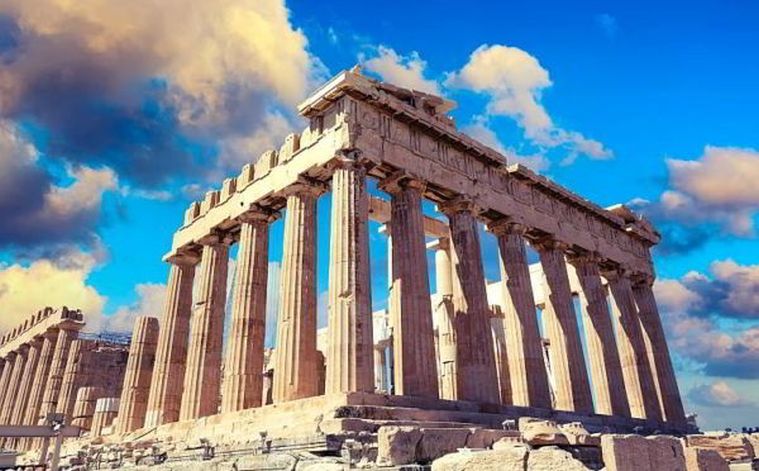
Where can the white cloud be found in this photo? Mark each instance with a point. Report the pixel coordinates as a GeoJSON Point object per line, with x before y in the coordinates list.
{"type": "Point", "coordinates": [717, 394]}
{"type": "Point", "coordinates": [481, 131]}
{"type": "Point", "coordinates": [404, 71]}
{"type": "Point", "coordinates": [514, 81]}
{"type": "Point", "coordinates": [151, 298]}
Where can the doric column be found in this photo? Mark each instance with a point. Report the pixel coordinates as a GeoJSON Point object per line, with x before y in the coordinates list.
{"type": "Point", "coordinates": [57, 369]}
{"type": "Point", "coordinates": [349, 360]}
{"type": "Point", "coordinates": [5, 378]}
{"type": "Point", "coordinates": [476, 376]}
{"type": "Point", "coordinates": [567, 361]}
{"type": "Point", "coordinates": [243, 371]}
{"type": "Point", "coordinates": [527, 371]}
{"type": "Point", "coordinates": [444, 316]}
{"type": "Point", "coordinates": [202, 378]}
{"type": "Point", "coordinates": [639, 379]}
{"type": "Point", "coordinates": [295, 374]}
{"type": "Point", "coordinates": [47, 350]}
{"type": "Point", "coordinates": [171, 354]}
{"type": "Point", "coordinates": [410, 306]}
{"type": "Point", "coordinates": [134, 393]}
{"type": "Point", "coordinates": [76, 375]}
{"type": "Point", "coordinates": [649, 316]}
{"type": "Point", "coordinates": [106, 410]}
{"type": "Point", "coordinates": [84, 408]}
{"type": "Point", "coordinates": [25, 384]}
{"type": "Point", "coordinates": [603, 356]}
{"type": "Point", "coordinates": [9, 403]}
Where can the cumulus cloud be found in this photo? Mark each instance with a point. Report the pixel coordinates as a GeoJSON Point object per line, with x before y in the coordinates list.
{"type": "Point", "coordinates": [481, 131]}
{"type": "Point", "coordinates": [151, 298]}
{"type": "Point", "coordinates": [24, 290]}
{"type": "Point", "coordinates": [693, 308]}
{"type": "Point", "coordinates": [717, 394]}
{"type": "Point", "coordinates": [717, 189]}
{"type": "Point", "coordinates": [36, 209]}
{"type": "Point", "coordinates": [514, 82]}
{"type": "Point", "coordinates": [405, 71]}
{"type": "Point", "coordinates": [140, 85]}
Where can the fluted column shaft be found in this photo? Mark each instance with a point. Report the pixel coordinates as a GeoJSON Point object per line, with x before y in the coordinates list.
{"type": "Point", "coordinates": [410, 305]}
{"type": "Point", "coordinates": [171, 354]}
{"type": "Point", "coordinates": [444, 316]}
{"type": "Point", "coordinates": [57, 370]}
{"type": "Point", "coordinates": [37, 392]}
{"type": "Point", "coordinates": [76, 375]}
{"type": "Point", "coordinates": [134, 393]}
{"type": "Point", "coordinates": [650, 319]}
{"type": "Point", "coordinates": [476, 376]}
{"type": "Point", "coordinates": [295, 373]}
{"type": "Point", "coordinates": [203, 375]}
{"type": "Point", "coordinates": [527, 370]}
{"type": "Point", "coordinates": [5, 379]}
{"type": "Point", "coordinates": [606, 369]}
{"type": "Point", "coordinates": [25, 384]}
{"type": "Point", "coordinates": [349, 360]}
{"type": "Point", "coordinates": [639, 379]}
{"type": "Point", "coordinates": [9, 403]}
{"type": "Point", "coordinates": [243, 371]}
{"type": "Point", "coordinates": [567, 361]}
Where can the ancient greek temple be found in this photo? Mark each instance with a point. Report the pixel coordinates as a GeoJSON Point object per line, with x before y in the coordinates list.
{"type": "Point", "coordinates": [451, 345]}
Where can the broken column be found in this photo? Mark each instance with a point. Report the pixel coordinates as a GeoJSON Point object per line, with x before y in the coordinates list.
{"type": "Point", "coordinates": [528, 376]}
{"type": "Point", "coordinates": [203, 374]}
{"type": "Point", "coordinates": [349, 358]}
{"type": "Point", "coordinates": [106, 410]}
{"type": "Point", "coordinates": [134, 394]}
{"type": "Point", "coordinates": [295, 374]}
{"type": "Point", "coordinates": [605, 366]}
{"type": "Point", "coordinates": [476, 376]}
{"type": "Point", "coordinates": [444, 316]}
{"type": "Point", "coordinates": [567, 361]}
{"type": "Point", "coordinates": [84, 408]}
{"type": "Point", "coordinates": [171, 354]}
{"type": "Point", "coordinates": [243, 371]}
{"type": "Point", "coordinates": [410, 306]}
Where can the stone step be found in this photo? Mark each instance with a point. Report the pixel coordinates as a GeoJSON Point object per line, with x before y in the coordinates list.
{"type": "Point", "coordinates": [334, 426]}
{"type": "Point", "coordinates": [394, 413]}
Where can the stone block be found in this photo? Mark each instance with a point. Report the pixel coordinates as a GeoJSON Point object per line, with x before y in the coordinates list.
{"type": "Point", "coordinates": [539, 432]}
{"type": "Point", "coordinates": [437, 442]}
{"type": "Point", "coordinates": [625, 452]}
{"type": "Point", "coordinates": [486, 438]}
{"type": "Point", "coordinates": [576, 434]}
{"type": "Point", "coordinates": [701, 459]}
{"type": "Point", "coordinates": [397, 445]}
{"type": "Point", "coordinates": [551, 458]}
{"type": "Point", "coordinates": [211, 200]}
{"type": "Point", "coordinates": [513, 458]}
{"type": "Point", "coordinates": [665, 452]}
{"type": "Point", "coordinates": [731, 446]}
{"type": "Point", "coordinates": [192, 212]}
{"type": "Point", "coordinates": [228, 188]}
{"type": "Point", "coordinates": [247, 175]}
{"type": "Point", "coordinates": [265, 163]}
{"type": "Point", "coordinates": [289, 148]}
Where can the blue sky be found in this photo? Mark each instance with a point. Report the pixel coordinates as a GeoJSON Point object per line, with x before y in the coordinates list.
{"type": "Point", "coordinates": [109, 129]}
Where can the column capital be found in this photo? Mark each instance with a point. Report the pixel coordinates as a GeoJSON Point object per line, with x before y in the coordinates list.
{"type": "Point", "coordinates": [581, 257]}
{"type": "Point", "coordinates": [399, 181]}
{"type": "Point", "coordinates": [259, 213]}
{"type": "Point", "coordinates": [548, 242]}
{"type": "Point", "coordinates": [305, 186]}
{"type": "Point", "coordinates": [216, 238]}
{"type": "Point", "coordinates": [349, 158]}
{"type": "Point", "coordinates": [459, 204]}
{"type": "Point", "coordinates": [642, 279]}
{"type": "Point", "coordinates": [615, 271]}
{"type": "Point", "coordinates": [184, 258]}
{"type": "Point", "coordinates": [442, 243]}
{"type": "Point", "coordinates": [506, 226]}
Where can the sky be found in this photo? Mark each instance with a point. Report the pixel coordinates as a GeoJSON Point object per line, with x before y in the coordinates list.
{"type": "Point", "coordinates": [114, 116]}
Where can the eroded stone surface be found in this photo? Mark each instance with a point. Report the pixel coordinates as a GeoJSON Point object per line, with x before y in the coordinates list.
{"type": "Point", "coordinates": [513, 458]}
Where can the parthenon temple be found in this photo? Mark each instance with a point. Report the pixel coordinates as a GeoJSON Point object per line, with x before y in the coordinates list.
{"type": "Point", "coordinates": [570, 332]}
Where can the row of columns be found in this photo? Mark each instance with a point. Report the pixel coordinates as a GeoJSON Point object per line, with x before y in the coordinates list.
{"type": "Point", "coordinates": [192, 334]}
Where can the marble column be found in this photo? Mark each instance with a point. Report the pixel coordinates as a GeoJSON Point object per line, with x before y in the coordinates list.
{"type": "Point", "coordinates": [446, 337]}
{"type": "Point", "coordinates": [638, 376]}
{"type": "Point", "coordinates": [567, 360]}
{"type": "Point", "coordinates": [410, 305]}
{"type": "Point", "coordinates": [57, 370]}
{"type": "Point", "coordinates": [649, 315]}
{"type": "Point", "coordinates": [76, 375]}
{"type": "Point", "coordinates": [349, 359]}
{"type": "Point", "coordinates": [106, 410]}
{"type": "Point", "coordinates": [243, 371]}
{"type": "Point", "coordinates": [605, 366]}
{"type": "Point", "coordinates": [39, 383]}
{"type": "Point", "coordinates": [14, 384]}
{"type": "Point", "coordinates": [5, 378]}
{"type": "Point", "coordinates": [134, 393]}
{"type": "Point", "coordinates": [476, 376]}
{"type": "Point", "coordinates": [295, 374]}
{"type": "Point", "coordinates": [171, 354]}
{"type": "Point", "coordinates": [25, 384]}
{"type": "Point", "coordinates": [202, 380]}
{"type": "Point", "coordinates": [84, 409]}
{"type": "Point", "coordinates": [527, 370]}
